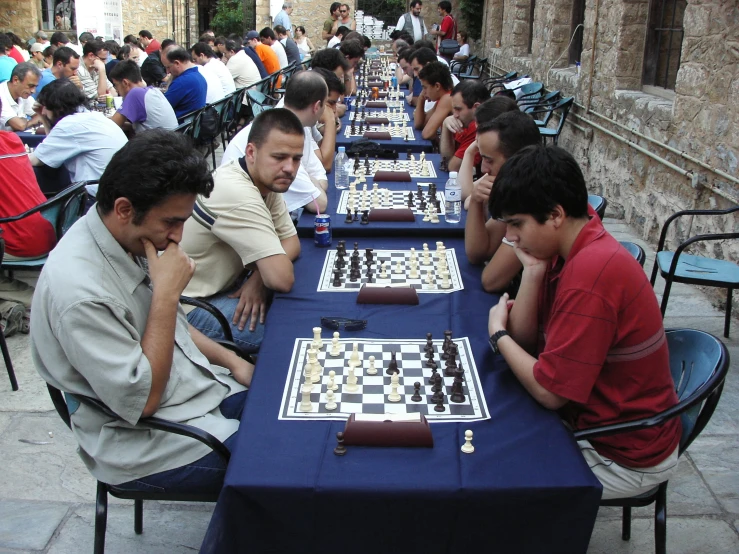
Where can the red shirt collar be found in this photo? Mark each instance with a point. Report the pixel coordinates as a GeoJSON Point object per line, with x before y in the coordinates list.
{"type": "Point", "coordinates": [592, 231]}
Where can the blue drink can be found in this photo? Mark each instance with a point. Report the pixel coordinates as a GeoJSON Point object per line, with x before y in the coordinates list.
{"type": "Point", "coordinates": [322, 231]}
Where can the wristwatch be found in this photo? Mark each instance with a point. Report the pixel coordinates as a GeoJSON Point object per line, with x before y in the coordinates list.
{"type": "Point", "coordinates": [495, 337]}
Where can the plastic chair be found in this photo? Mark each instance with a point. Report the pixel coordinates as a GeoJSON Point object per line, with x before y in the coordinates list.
{"type": "Point", "coordinates": [529, 90]}
{"type": "Point", "coordinates": [599, 204]}
{"type": "Point", "coordinates": [543, 105]}
{"type": "Point", "coordinates": [563, 107]}
{"type": "Point", "coordinates": [497, 81]}
{"type": "Point", "coordinates": [3, 344]}
{"type": "Point", "coordinates": [214, 110]}
{"type": "Point", "coordinates": [679, 267]}
{"type": "Point", "coordinates": [258, 101]}
{"type": "Point", "coordinates": [636, 251]}
{"type": "Point", "coordinates": [471, 68]}
{"type": "Point", "coordinates": [61, 211]}
{"type": "Point", "coordinates": [286, 74]}
{"type": "Point", "coordinates": [699, 363]}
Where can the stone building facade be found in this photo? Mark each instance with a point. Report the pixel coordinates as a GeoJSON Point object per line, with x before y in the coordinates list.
{"type": "Point", "coordinates": [696, 114]}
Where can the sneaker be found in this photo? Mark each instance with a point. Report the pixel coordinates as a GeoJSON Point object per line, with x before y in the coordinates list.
{"type": "Point", "coordinates": [11, 317]}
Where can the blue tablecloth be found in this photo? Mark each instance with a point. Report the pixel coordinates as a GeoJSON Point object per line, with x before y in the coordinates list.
{"type": "Point", "coordinates": [418, 228]}
{"type": "Point", "coordinates": [526, 488]}
{"type": "Point", "coordinates": [31, 139]}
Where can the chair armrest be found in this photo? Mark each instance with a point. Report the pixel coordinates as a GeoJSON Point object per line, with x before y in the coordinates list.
{"type": "Point", "coordinates": [674, 216]}
{"type": "Point", "coordinates": [56, 199]}
{"type": "Point", "coordinates": [163, 425]}
{"type": "Point", "coordinates": [212, 310]}
{"type": "Point", "coordinates": [691, 240]}
{"type": "Point", "coordinates": [236, 349]}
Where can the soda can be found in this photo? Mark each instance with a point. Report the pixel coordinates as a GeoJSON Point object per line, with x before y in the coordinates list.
{"type": "Point", "coordinates": [322, 231]}
{"type": "Point", "coordinates": [109, 101]}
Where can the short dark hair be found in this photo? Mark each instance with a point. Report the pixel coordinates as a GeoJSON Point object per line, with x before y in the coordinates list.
{"type": "Point", "coordinates": [280, 30]}
{"type": "Point", "coordinates": [406, 36]}
{"type": "Point", "coordinates": [516, 130]}
{"type": "Point", "coordinates": [333, 83]}
{"type": "Point", "coordinates": [437, 72]}
{"type": "Point", "coordinates": [366, 42]}
{"type": "Point", "coordinates": [205, 37]}
{"type": "Point", "coordinates": [405, 54]}
{"type": "Point", "coordinates": [113, 47]}
{"type": "Point", "coordinates": [351, 49]}
{"type": "Point", "coordinates": [167, 42]}
{"type": "Point", "coordinates": [267, 33]}
{"type": "Point", "coordinates": [127, 69]}
{"type": "Point", "coordinates": [493, 107]}
{"type": "Point", "coordinates": [423, 43]}
{"type": "Point", "coordinates": [330, 58]}
{"type": "Point", "coordinates": [146, 34]}
{"type": "Point", "coordinates": [131, 39]}
{"type": "Point", "coordinates": [22, 69]}
{"type": "Point", "coordinates": [64, 55]}
{"type": "Point", "coordinates": [6, 43]}
{"type": "Point", "coordinates": [92, 47]}
{"type": "Point", "coordinates": [414, 3]}
{"type": "Point", "coordinates": [343, 30]}
{"type": "Point", "coordinates": [352, 35]}
{"type": "Point", "coordinates": [59, 38]}
{"type": "Point", "coordinates": [424, 56]}
{"type": "Point", "coordinates": [203, 48]}
{"type": "Point", "coordinates": [304, 89]}
{"type": "Point", "coordinates": [462, 34]}
{"type": "Point", "coordinates": [51, 49]}
{"type": "Point", "coordinates": [232, 45]}
{"type": "Point", "coordinates": [537, 179]}
{"type": "Point", "coordinates": [219, 40]}
{"type": "Point", "coordinates": [472, 91]}
{"type": "Point", "coordinates": [334, 6]}
{"type": "Point", "coordinates": [281, 119]}
{"type": "Point", "coordinates": [152, 167]}
{"type": "Point", "coordinates": [86, 36]}
{"type": "Point", "coordinates": [62, 97]}
{"type": "Point", "coordinates": [178, 54]}
{"type": "Point", "coordinates": [446, 6]}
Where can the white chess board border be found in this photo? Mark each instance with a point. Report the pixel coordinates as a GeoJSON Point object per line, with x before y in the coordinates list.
{"type": "Point", "coordinates": [428, 163]}
{"type": "Point", "coordinates": [344, 199]}
{"type": "Point", "coordinates": [291, 392]}
{"type": "Point", "coordinates": [378, 128]}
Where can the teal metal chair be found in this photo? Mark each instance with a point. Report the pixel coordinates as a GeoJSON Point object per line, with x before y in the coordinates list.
{"type": "Point", "coordinates": [543, 105]}
{"type": "Point", "coordinates": [259, 102]}
{"type": "Point", "coordinates": [493, 82]}
{"type": "Point", "coordinates": [679, 267]}
{"type": "Point", "coordinates": [635, 250]}
{"type": "Point", "coordinates": [562, 108]}
{"type": "Point", "coordinates": [599, 204]}
{"type": "Point", "coordinates": [61, 211]}
{"type": "Point", "coordinates": [471, 68]}
{"type": "Point", "coordinates": [529, 90]}
{"type": "Point", "coordinates": [699, 363]}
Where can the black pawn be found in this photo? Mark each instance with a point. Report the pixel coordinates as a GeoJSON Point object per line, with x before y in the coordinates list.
{"type": "Point", "coordinates": [348, 218]}
{"type": "Point", "coordinates": [440, 404]}
{"type": "Point", "coordinates": [429, 343]}
{"type": "Point", "coordinates": [437, 383]}
{"type": "Point", "coordinates": [416, 392]}
{"type": "Point", "coordinates": [410, 200]}
{"type": "Point", "coordinates": [365, 218]}
{"type": "Point", "coordinates": [356, 217]}
{"type": "Point", "coordinates": [340, 449]}
{"type": "Point", "coordinates": [392, 367]}
{"type": "Point", "coordinates": [341, 248]}
{"type": "Point", "coordinates": [432, 379]}
{"type": "Point", "coordinates": [430, 358]}
{"type": "Point", "coordinates": [337, 279]}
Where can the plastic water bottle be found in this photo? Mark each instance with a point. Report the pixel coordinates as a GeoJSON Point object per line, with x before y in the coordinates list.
{"type": "Point", "coordinates": [453, 199]}
{"type": "Point", "coordinates": [341, 170]}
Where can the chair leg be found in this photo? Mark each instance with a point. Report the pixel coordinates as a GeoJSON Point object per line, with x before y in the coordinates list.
{"type": "Point", "coordinates": [626, 524]}
{"type": "Point", "coordinates": [660, 520]}
{"type": "Point", "coordinates": [727, 321]}
{"type": "Point", "coordinates": [213, 153]}
{"type": "Point", "coordinates": [8, 363]}
{"type": "Point", "coordinates": [138, 516]}
{"type": "Point", "coordinates": [101, 518]}
{"type": "Point", "coordinates": [665, 296]}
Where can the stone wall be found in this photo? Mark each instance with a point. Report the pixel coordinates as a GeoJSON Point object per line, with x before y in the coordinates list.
{"type": "Point", "coordinates": [153, 15]}
{"type": "Point", "coordinates": [699, 117]}
{"type": "Point", "coordinates": [22, 17]}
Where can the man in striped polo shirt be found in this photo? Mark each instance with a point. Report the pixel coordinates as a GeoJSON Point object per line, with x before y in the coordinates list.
{"type": "Point", "coordinates": [603, 355]}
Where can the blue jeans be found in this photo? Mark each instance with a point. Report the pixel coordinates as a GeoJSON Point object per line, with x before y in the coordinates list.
{"type": "Point", "coordinates": [249, 341]}
{"type": "Point", "coordinates": [201, 476]}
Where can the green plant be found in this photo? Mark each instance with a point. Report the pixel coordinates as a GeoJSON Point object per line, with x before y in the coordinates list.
{"type": "Point", "coordinates": [229, 17]}
{"type": "Point", "coordinates": [472, 14]}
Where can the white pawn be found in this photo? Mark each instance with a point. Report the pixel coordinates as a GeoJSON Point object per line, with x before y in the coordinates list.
{"type": "Point", "coordinates": [305, 404]}
{"type": "Point", "coordinates": [445, 284]}
{"type": "Point", "coordinates": [335, 347]}
{"type": "Point", "coordinates": [332, 381]}
{"type": "Point", "coordinates": [383, 270]}
{"type": "Point", "coordinates": [426, 214]}
{"type": "Point", "coordinates": [434, 216]}
{"type": "Point", "coordinates": [330, 402]}
{"type": "Point", "coordinates": [351, 380]}
{"type": "Point", "coordinates": [467, 447]}
{"type": "Point", "coordinates": [414, 272]}
{"type": "Point", "coordinates": [371, 370]}
{"type": "Point", "coordinates": [394, 396]}
{"type": "Point", "coordinates": [429, 279]}
{"type": "Point", "coordinates": [414, 257]}
{"type": "Point", "coordinates": [315, 376]}
{"type": "Point", "coordinates": [398, 267]}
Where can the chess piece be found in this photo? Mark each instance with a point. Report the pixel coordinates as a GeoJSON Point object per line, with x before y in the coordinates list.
{"type": "Point", "coordinates": [356, 215]}
{"type": "Point", "coordinates": [416, 392]}
{"type": "Point", "coordinates": [340, 449]}
{"type": "Point", "coordinates": [348, 218]}
{"type": "Point", "coordinates": [429, 279]}
{"type": "Point", "coordinates": [317, 341]}
{"type": "Point", "coordinates": [426, 254]}
{"type": "Point", "coordinates": [433, 215]}
{"type": "Point", "coordinates": [365, 218]}
{"type": "Point", "coordinates": [335, 347]}
{"type": "Point", "coordinates": [445, 283]}
{"type": "Point", "coordinates": [371, 369]}
{"type": "Point", "coordinates": [394, 396]}
{"type": "Point", "coordinates": [337, 278]}
{"type": "Point", "coordinates": [430, 358]}
{"type": "Point", "coordinates": [457, 395]}
{"type": "Point", "coordinates": [432, 378]}
{"type": "Point", "coordinates": [467, 447]}
{"type": "Point", "coordinates": [392, 367]}
{"type": "Point", "coordinates": [440, 404]}
{"type": "Point", "coordinates": [332, 381]}
{"type": "Point", "coordinates": [354, 358]}
{"type": "Point", "coordinates": [413, 274]}
{"type": "Point", "coordinates": [330, 401]}
{"type": "Point", "coordinates": [429, 343]}
{"type": "Point", "coordinates": [438, 380]}
{"type": "Point", "coordinates": [426, 216]}
{"type": "Point", "coordinates": [308, 368]}
{"type": "Point", "coordinates": [305, 404]}
{"type": "Point", "coordinates": [351, 380]}
{"type": "Point", "coordinates": [444, 166]}
{"type": "Point", "coordinates": [383, 271]}
{"type": "Point", "coordinates": [399, 267]}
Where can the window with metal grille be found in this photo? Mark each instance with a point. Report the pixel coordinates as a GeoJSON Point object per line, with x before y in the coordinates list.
{"type": "Point", "coordinates": [663, 42]}
{"type": "Point", "coordinates": [576, 31]}
{"type": "Point", "coordinates": [531, 24]}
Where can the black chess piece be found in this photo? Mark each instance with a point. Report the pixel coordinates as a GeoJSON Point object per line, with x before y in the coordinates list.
{"type": "Point", "coordinates": [341, 247]}
{"type": "Point", "coordinates": [370, 275]}
{"type": "Point", "coordinates": [436, 386]}
{"type": "Point", "coordinates": [440, 404]}
{"type": "Point", "coordinates": [444, 165]}
{"type": "Point", "coordinates": [457, 395]}
{"type": "Point", "coordinates": [429, 343]}
{"type": "Point", "coordinates": [430, 358]}
{"type": "Point", "coordinates": [437, 203]}
{"type": "Point", "coordinates": [354, 275]}
{"type": "Point", "coordinates": [348, 218]}
{"type": "Point", "coordinates": [365, 218]}
{"type": "Point", "coordinates": [432, 379]}
{"type": "Point", "coordinates": [340, 449]}
{"type": "Point", "coordinates": [416, 392]}
{"type": "Point", "coordinates": [408, 154]}
{"type": "Point", "coordinates": [392, 367]}
{"type": "Point", "coordinates": [337, 278]}
{"type": "Point", "coordinates": [369, 255]}
{"type": "Point", "coordinates": [410, 200]}
{"type": "Point", "coordinates": [356, 216]}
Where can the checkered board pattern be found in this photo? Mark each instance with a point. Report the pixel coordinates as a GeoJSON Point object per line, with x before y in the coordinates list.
{"type": "Point", "coordinates": [389, 104]}
{"type": "Point", "coordinates": [414, 167]}
{"type": "Point", "coordinates": [371, 396]}
{"type": "Point", "coordinates": [393, 279]}
{"type": "Point", "coordinates": [395, 132]}
{"type": "Point", "coordinates": [396, 199]}
{"type": "Point", "coordinates": [391, 116]}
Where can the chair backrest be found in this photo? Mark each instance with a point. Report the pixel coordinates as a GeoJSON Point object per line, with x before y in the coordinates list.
{"type": "Point", "coordinates": [530, 92]}
{"type": "Point", "coordinates": [635, 250]}
{"type": "Point", "coordinates": [598, 203]}
{"type": "Point", "coordinates": [699, 363]}
{"type": "Point", "coordinates": [563, 106]}
{"type": "Point", "coordinates": [258, 101]}
{"type": "Point", "coordinates": [61, 406]}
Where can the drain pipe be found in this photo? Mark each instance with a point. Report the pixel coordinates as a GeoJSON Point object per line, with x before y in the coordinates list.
{"type": "Point", "coordinates": [592, 56]}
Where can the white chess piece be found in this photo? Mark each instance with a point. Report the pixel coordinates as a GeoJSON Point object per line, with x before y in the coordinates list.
{"type": "Point", "coordinates": [305, 404]}
{"type": "Point", "coordinates": [371, 369]}
{"type": "Point", "coordinates": [332, 381]}
{"type": "Point", "coordinates": [383, 270]}
{"type": "Point", "coordinates": [335, 347]}
{"type": "Point", "coordinates": [317, 343]}
{"type": "Point", "coordinates": [445, 283]}
{"type": "Point", "coordinates": [354, 358]}
{"type": "Point", "coordinates": [315, 376]}
{"type": "Point", "coordinates": [308, 368]}
{"type": "Point", "coordinates": [467, 447]}
{"type": "Point", "coordinates": [399, 267]}
{"type": "Point", "coordinates": [414, 272]}
{"type": "Point", "coordinates": [429, 279]}
{"type": "Point", "coordinates": [330, 402]}
{"type": "Point", "coordinates": [423, 157]}
{"type": "Point", "coordinates": [426, 254]}
{"type": "Point", "coordinates": [426, 216]}
{"type": "Point", "coordinates": [434, 218]}
{"type": "Point", "coordinates": [351, 380]}
{"type": "Point", "coordinates": [414, 257]}
{"type": "Point", "coordinates": [394, 396]}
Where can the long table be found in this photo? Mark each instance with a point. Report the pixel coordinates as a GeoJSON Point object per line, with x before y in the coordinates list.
{"type": "Point", "coordinates": [526, 488]}
{"type": "Point", "coordinates": [416, 228]}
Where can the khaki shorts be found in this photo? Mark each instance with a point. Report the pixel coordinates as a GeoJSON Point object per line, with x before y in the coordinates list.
{"type": "Point", "coordinates": [620, 481]}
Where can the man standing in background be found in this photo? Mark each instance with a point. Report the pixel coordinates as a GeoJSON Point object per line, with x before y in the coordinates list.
{"type": "Point", "coordinates": [283, 18]}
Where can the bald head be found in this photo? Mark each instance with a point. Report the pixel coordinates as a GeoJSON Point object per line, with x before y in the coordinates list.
{"type": "Point", "coordinates": [304, 89]}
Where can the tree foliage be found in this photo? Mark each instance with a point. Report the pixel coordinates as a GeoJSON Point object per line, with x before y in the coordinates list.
{"type": "Point", "coordinates": [473, 14]}
{"type": "Point", "coordinates": [229, 17]}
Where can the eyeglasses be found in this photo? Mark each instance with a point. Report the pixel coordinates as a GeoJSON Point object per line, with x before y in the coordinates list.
{"type": "Point", "coordinates": [343, 11]}
{"type": "Point", "coordinates": [337, 323]}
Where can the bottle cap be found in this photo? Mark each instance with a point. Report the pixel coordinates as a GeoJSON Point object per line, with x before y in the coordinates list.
{"type": "Point", "coordinates": [342, 148]}
{"type": "Point", "coordinates": [452, 174]}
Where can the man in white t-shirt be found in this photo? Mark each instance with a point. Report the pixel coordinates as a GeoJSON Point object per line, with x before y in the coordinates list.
{"type": "Point", "coordinates": [205, 58]}
{"type": "Point", "coordinates": [243, 70]}
{"type": "Point", "coordinates": [305, 96]}
{"type": "Point", "coordinates": [82, 141]}
{"type": "Point", "coordinates": [17, 103]}
{"type": "Point", "coordinates": [413, 21]}
{"type": "Point", "coordinates": [268, 37]}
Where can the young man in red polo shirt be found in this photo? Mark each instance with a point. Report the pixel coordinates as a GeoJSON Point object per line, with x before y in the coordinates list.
{"type": "Point", "coordinates": [460, 129]}
{"type": "Point", "coordinates": [603, 355]}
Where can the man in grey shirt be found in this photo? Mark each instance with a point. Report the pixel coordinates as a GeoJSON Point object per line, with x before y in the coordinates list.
{"type": "Point", "coordinates": [143, 107]}
{"type": "Point", "coordinates": [107, 323]}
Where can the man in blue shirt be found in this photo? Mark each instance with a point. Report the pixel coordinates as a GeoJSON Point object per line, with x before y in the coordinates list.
{"type": "Point", "coordinates": [6, 62]}
{"type": "Point", "coordinates": [187, 91]}
{"type": "Point", "coordinates": [64, 64]}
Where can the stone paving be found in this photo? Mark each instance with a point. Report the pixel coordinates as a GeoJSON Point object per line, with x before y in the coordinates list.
{"type": "Point", "coordinates": [47, 495]}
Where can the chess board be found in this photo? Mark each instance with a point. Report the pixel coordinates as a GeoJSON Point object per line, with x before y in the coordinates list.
{"type": "Point", "coordinates": [372, 394]}
{"type": "Point", "coordinates": [388, 199]}
{"type": "Point", "coordinates": [390, 116]}
{"type": "Point", "coordinates": [395, 131]}
{"type": "Point", "coordinates": [393, 279]}
{"type": "Point", "coordinates": [389, 104]}
{"type": "Point", "coordinates": [416, 168]}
